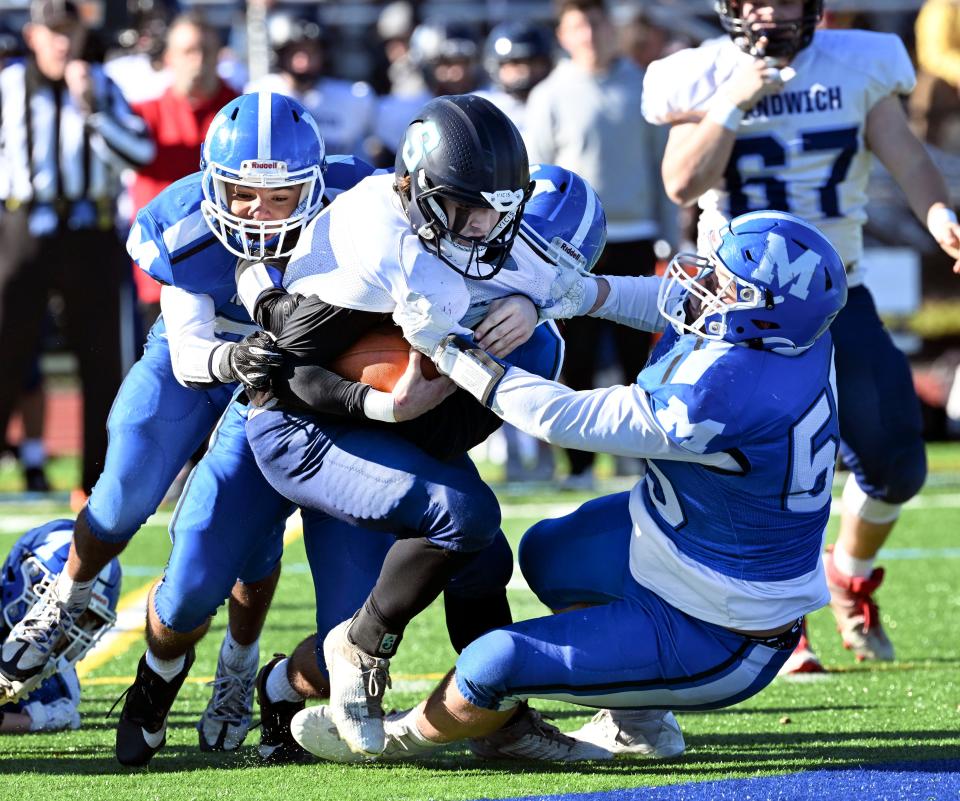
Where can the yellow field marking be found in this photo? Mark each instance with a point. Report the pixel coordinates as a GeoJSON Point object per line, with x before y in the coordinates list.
{"type": "Point", "coordinates": [120, 642]}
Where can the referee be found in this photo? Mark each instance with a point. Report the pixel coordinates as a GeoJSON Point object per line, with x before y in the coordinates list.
{"type": "Point", "coordinates": [65, 134]}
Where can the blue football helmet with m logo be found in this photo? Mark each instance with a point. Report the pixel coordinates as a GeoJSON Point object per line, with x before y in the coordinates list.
{"type": "Point", "coordinates": [771, 281]}
{"type": "Point", "coordinates": [261, 141]}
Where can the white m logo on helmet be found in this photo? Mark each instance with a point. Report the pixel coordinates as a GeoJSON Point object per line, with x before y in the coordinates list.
{"type": "Point", "coordinates": [776, 262]}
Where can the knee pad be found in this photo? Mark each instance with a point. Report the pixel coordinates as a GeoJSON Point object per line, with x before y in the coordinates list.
{"type": "Point", "coordinates": [875, 490]}
{"type": "Point", "coordinates": [472, 520]}
{"type": "Point", "coordinates": [119, 505]}
{"type": "Point", "coordinates": [855, 501]}
{"type": "Point", "coordinates": [485, 668]}
{"type": "Point", "coordinates": [185, 604]}
{"type": "Point", "coordinates": [536, 553]}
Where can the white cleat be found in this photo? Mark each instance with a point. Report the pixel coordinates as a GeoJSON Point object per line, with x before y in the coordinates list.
{"type": "Point", "coordinates": [357, 684]}
{"type": "Point", "coordinates": [529, 736]}
{"type": "Point", "coordinates": [26, 656]}
{"type": "Point", "coordinates": [229, 714]}
{"type": "Point", "coordinates": [316, 732]}
{"type": "Point", "coordinates": [647, 733]}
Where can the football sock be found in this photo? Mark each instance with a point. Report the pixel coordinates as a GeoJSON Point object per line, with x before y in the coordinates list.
{"type": "Point", "coordinates": [238, 656]}
{"type": "Point", "coordinates": [850, 565]}
{"type": "Point", "coordinates": [469, 617]}
{"type": "Point", "coordinates": [75, 595]}
{"type": "Point", "coordinates": [278, 684]}
{"type": "Point", "coordinates": [166, 669]}
{"type": "Point", "coordinates": [414, 573]}
{"type": "Point", "coordinates": [404, 728]}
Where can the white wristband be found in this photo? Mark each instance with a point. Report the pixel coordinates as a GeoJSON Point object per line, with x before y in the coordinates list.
{"type": "Point", "coordinates": [378, 405]}
{"type": "Point", "coordinates": [939, 215]}
{"type": "Point", "coordinates": [725, 113]}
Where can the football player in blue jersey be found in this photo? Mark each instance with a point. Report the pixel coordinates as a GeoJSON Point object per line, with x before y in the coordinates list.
{"type": "Point", "coordinates": [781, 114]}
{"type": "Point", "coordinates": [29, 571]}
{"type": "Point", "coordinates": [689, 591]}
{"type": "Point", "coordinates": [190, 238]}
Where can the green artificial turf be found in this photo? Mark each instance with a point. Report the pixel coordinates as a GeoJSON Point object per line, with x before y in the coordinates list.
{"type": "Point", "coordinates": [856, 715]}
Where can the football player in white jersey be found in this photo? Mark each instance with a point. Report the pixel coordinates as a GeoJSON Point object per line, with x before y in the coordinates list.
{"type": "Point", "coordinates": [439, 237]}
{"type": "Point", "coordinates": [781, 115]}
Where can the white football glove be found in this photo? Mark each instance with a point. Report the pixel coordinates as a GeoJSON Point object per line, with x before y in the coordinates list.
{"type": "Point", "coordinates": [469, 367]}
{"type": "Point", "coordinates": [424, 325]}
{"type": "Point", "coordinates": [55, 716]}
{"type": "Point", "coordinates": [572, 293]}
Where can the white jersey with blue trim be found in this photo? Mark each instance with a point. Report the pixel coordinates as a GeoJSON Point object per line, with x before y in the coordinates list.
{"type": "Point", "coordinates": [801, 150]}
{"type": "Point", "coordinates": [348, 262]}
{"type": "Point", "coordinates": [739, 448]}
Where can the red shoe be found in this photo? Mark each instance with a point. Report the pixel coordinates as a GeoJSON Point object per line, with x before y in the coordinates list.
{"type": "Point", "coordinates": [803, 659]}
{"type": "Point", "coordinates": [857, 614]}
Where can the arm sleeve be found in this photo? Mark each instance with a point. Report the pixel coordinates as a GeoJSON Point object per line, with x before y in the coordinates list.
{"type": "Point", "coordinates": [633, 302]}
{"type": "Point", "coordinates": [195, 352]}
{"type": "Point", "coordinates": [315, 334]}
{"type": "Point", "coordinates": [119, 136]}
{"type": "Point", "coordinates": [616, 420]}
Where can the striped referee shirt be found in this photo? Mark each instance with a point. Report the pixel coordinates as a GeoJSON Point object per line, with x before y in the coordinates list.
{"type": "Point", "coordinates": [51, 154]}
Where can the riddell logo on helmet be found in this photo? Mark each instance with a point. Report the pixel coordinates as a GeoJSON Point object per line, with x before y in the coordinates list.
{"type": "Point", "coordinates": [253, 167]}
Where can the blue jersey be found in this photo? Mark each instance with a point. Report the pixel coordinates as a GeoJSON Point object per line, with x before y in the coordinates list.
{"type": "Point", "coordinates": [171, 242]}
{"type": "Point", "coordinates": [762, 519]}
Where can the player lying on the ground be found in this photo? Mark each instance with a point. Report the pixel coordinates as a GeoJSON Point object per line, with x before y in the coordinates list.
{"type": "Point", "coordinates": [28, 573]}
{"type": "Point", "coordinates": [689, 591]}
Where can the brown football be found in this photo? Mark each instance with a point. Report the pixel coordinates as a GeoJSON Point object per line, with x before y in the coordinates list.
{"type": "Point", "coordinates": [379, 358]}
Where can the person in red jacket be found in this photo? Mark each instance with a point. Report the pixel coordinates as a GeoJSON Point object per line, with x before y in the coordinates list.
{"type": "Point", "coordinates": [178, 121]}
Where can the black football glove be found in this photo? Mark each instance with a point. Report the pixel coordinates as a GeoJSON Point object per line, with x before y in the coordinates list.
{"type": "Point", "coordinates": [251, 360]}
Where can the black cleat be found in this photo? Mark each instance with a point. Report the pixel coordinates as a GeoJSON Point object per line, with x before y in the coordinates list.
{"type": "Point", "coordinates": [142, 730]}
{"type": "Point", "coordinates": [277, 746]}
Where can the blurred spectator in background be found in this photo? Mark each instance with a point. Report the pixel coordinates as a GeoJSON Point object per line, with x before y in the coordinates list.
{"type": "Point", "coordinates": [178, 121]}
{"type": "Point", "coordinates": [586, 116]}
{"type": "Point", "coordinates": [67, 133]}
{"type": "Point", "coordinates": [139, 70]}
{"type": "Point", "coordinates": [935, 103]}
{"type": "Point", "coordinates": [394, 27]}
{"type": "Point", "coordinates": [517, 56]}
{"type": "Point", "coordinates": [642, 40]}
{"type": "Point", "coordinates": [344, 110]}
{"type": "Point", "coordinates": [447, 54]}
